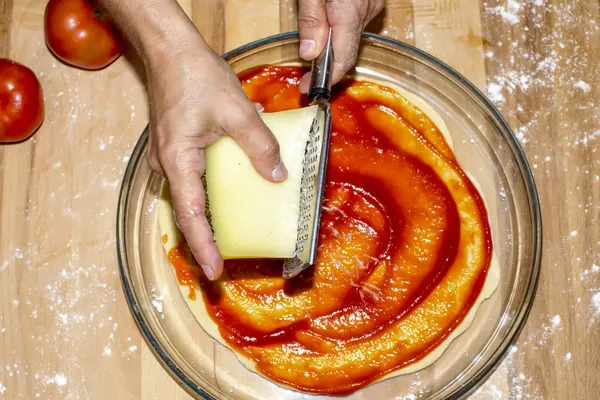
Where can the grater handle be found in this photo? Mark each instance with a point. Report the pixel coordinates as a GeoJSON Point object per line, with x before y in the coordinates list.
{"type": "Point", "coordinates": [322, 69]}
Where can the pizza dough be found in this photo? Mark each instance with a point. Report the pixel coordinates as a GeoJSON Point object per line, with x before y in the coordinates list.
{"type": "Point", "coordinates": [168, 227]}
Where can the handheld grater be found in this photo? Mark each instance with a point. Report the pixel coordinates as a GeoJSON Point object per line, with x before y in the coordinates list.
{"type": "Point", "coordinates": [314, 166]}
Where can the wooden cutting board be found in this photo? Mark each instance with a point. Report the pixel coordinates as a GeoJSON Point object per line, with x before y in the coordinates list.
{"type": "Point", "coordinates": [65, 329]}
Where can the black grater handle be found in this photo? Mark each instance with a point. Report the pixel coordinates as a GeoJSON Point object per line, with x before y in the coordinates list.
{"type": "Point", "coordinates": [322, 69]}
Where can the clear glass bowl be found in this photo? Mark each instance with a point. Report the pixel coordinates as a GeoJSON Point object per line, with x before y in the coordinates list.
{"type": "Point", "coordinates": [485, 147]}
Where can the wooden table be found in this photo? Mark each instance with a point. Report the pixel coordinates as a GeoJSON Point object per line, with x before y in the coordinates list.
{"type": "Point", "coordinates": [65, 329]}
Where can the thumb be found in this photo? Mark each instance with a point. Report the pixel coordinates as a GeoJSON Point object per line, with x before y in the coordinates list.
{"type": "Point", "coordinates": [313, 26]}
{"type": "Point", "coordinates": [259, 143]}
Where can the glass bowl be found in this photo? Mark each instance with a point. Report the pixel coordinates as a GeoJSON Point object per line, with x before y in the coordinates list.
{"type": "Point", "coordinates": [484, 146]}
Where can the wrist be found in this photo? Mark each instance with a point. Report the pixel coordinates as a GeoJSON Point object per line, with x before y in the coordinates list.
{"type": "Point", "coordinates": [157, 29]}
{"type": "Point", "coordinates": [169, 44]}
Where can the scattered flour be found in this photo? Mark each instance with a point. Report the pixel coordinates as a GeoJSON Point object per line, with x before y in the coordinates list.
{"type": "Point", "coordinates": [157, 303]}
{"type": "Point", "coordinates": [60, 379]}
{"type": "Point", "coordinates": [557, 63]}
{"type": "Point", "coordinates": [590, 273]}
{"type": "Point", "coordinates": [596, 304]}
{"type": "Point", "coordinates": [76, 323]}
{"type": "Point", "coordinates": [62, 289]}
{"type": "Point", "coordinates": [416, 390]}
{"type": "Point", "coordinates": [510, 12]}
{"type": "Point", "coordinates": [516, 384]}
{"type": "Point", "coordinates": [559, 70]}
{"type": "Point", "coordinates": [583, 86]}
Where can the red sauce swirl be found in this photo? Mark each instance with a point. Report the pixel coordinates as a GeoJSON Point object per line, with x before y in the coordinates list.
{"type": "Point", "coordinates": [405, 247]}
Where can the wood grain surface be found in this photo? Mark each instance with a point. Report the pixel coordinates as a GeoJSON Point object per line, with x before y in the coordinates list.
{"type": "Point", "coordinates": [65, 328]}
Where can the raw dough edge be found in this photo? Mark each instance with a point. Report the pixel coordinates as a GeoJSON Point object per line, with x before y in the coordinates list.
{"type": "Point", "coordinates": [167, 226]}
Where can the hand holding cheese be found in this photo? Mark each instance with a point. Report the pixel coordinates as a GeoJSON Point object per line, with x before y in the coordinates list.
{"type": "Point", "coordinates": [252, 217]}
{"type": "Point", "coordinates": [204, 103]}
{"type": "Point", "coordinates": [195, 98]}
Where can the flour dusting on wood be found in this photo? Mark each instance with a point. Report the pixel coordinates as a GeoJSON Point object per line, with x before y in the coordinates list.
{"type": "Point", "coordinates": [63, 309]}
{"type": "Point", "coordinates": [62, 306]}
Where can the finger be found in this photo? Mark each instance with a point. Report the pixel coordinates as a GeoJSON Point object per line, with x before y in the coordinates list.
{"type": "Point", "coordinates": [152, 156]}
{"type": "Point", "coordinates": [375, 7]}
{"type": "Point", "coordinates": [313, 27]}
{"type": "Point", "coordinates": [183, 163]}
{"type": "Point", "coordinates": [304, 83]}
{"type": "Point", "coordinates": [259, 143]}
{"type": "Point", "coordinates": [347, 22]}
{"type": "Point", "coordinates": [345, 40]}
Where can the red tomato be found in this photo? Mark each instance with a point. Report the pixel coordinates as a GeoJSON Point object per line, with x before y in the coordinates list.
{"type": "Point", "coordinates": [21, 102]}
{"type": "Point", "coordinates": [80, 34]}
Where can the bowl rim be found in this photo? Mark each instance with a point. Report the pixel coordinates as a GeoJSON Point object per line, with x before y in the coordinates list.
{"type": "Point", "coordinates": [530, 292]}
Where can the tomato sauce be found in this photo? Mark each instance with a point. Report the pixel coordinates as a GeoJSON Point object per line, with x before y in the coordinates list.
{"type": "Point", "coordinates": [405, 247]}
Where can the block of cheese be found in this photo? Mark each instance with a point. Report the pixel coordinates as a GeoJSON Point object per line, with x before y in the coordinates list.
{"type": "Point", "coordinates": [252, 217]}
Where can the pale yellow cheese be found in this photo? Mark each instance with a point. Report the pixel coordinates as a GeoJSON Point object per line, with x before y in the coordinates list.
{"type": "Point", "coordinates": [252, 217]}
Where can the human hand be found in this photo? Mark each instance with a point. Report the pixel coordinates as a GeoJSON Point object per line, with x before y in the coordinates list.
{"type": "Point", "coordinates": [194, 99]}
{"type": "Point", "coordinates": [347, 19]}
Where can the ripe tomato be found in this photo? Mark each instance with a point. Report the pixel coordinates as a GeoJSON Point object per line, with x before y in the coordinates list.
{"type": "Point", "coordinates": [21, 102]}
{"type": "Point", "coordinates": [80, 34]}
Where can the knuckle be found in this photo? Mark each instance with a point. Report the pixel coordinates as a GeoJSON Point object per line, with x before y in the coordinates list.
{"type": "Point", "coordinates": [153, 161]}
{"type": "Point", "coordinates": [187, 214]}
{"type": "Point", "coordinates": [350, 61]}
{"type": "Point", "coordinates": [346, 7]}
{"type": "Point", "coordinates": [152, 156]}
{"type": "Point", "coordinates": [308, 19]}
{"type": "Point", "coordinates": [270, 150]}
{"type": "Point", "coordinates": [181, 161]}
{"type": "Point", "coordinates": [184, 217]}
{"type": "Point", "coordinates": [166, 152]}
{"type": "Point", "coordinates": [169, 154]}
{"type": "Point", "coordinates": [245, 116]}
{"type": "Point", "coordinates": [248, 112]}
{"type": "Point", "coordinates": [151, 150]}
{"type": "Point", "coordinates": [375, 8]}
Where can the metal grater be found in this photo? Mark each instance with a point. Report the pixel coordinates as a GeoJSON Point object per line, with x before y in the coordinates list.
{"type": "Point", "coordinates": [314, 166]}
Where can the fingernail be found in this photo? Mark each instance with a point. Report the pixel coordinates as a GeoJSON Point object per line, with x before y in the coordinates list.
{"type": "Point", "coordinates": [210, 274]}
{"type": "Point", "coordinates": [259, 107]}
{"type": "Point", "coordinates": [306, 47]}
{"type": "Point", "coordinates": [304, 83]}
{"type": "Point", "coordinates": [280, 172]}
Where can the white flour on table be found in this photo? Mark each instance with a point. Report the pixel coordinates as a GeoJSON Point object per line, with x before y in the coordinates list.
{"type": "Point", "coordinates": [77, 332]}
